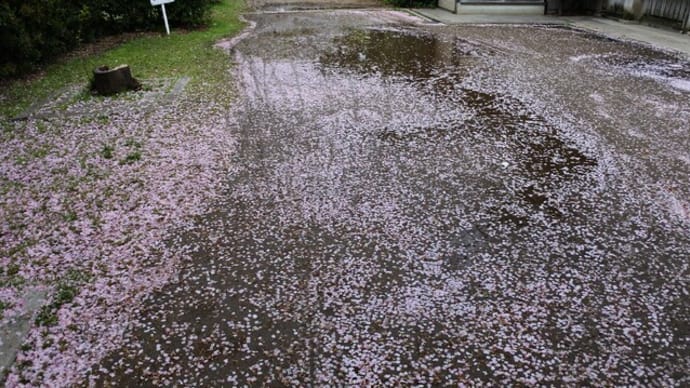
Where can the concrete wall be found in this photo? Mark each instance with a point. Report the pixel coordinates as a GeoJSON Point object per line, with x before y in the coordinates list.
{"type": "Point", "coordinates": [576, 6]}
{"type": "Point", "coordinates": [495, 9]}
{"type": "Point", "coordinates": [634, 9]}
{"type": "Point", "coordinates": [448, 5]}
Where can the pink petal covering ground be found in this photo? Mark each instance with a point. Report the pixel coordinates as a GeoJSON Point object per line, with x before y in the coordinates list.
{"type": "Point", "coordinates": [75, 209]}
{"type": "Point", "coordinates": [405, 205]}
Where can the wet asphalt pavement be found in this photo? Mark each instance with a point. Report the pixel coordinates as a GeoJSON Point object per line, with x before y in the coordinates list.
{"type": "Point", "coordinates": [422, 204]}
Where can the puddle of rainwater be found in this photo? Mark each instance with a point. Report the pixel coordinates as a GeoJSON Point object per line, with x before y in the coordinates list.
{"type": "Point", "coordinates": [404, 53]}
{"type": "Point", "coordinates": [425, 60]}
{"type": "Point", "coordinates": [438, 67]}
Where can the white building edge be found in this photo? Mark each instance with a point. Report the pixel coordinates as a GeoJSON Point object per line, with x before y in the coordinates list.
{"type": "Point", "coordinates": [677, 10]}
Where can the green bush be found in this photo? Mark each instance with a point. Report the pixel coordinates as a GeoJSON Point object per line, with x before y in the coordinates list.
{"type": "Point", "coordinates": [32, 32]}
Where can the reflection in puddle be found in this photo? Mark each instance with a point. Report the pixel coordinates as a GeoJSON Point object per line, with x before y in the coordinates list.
{"type": "Point", "coordinates": [412, 54]}
{"type": "Point", "coordinates": [539, 156]}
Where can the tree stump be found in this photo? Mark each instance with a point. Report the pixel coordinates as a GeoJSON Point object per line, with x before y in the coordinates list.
{"type": "Point", "coordinates": [107, 81]}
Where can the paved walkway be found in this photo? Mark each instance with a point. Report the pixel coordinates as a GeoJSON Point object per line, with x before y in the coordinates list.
{"type": "Point", "coordinates": [413, 205]}
{"type": "Point", "coordinates": [658, 37]}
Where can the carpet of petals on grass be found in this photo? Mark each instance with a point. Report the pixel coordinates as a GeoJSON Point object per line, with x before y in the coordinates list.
{"type": "Point", "coordinates": [98, 194]}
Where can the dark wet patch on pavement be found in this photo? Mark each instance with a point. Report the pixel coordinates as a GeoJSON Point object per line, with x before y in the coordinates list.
{"type": "Point", "coordinates": [645, 62]}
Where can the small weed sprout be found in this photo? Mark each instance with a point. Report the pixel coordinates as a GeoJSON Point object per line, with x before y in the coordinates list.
{"type": "Point", "coordinates": [66, 292]}
{"type": "Point", "coordinates": [132, 157]}
{"type": "Point", "coordinates": [107, 151]}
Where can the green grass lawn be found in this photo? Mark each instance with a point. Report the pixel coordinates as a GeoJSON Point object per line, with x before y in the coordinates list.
{"type": "Point", "coordinates": [183, 53]}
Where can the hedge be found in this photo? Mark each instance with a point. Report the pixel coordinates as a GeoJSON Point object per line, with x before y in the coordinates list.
{"type": "Point", "coordinates": [33, 32]}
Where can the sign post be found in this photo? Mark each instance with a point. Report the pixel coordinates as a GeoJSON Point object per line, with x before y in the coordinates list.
{"type": "Point", "coordinates": [162, 3]}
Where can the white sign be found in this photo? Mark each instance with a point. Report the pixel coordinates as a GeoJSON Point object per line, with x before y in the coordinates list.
{"type": "Point", "coordinates": [162, 3]}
